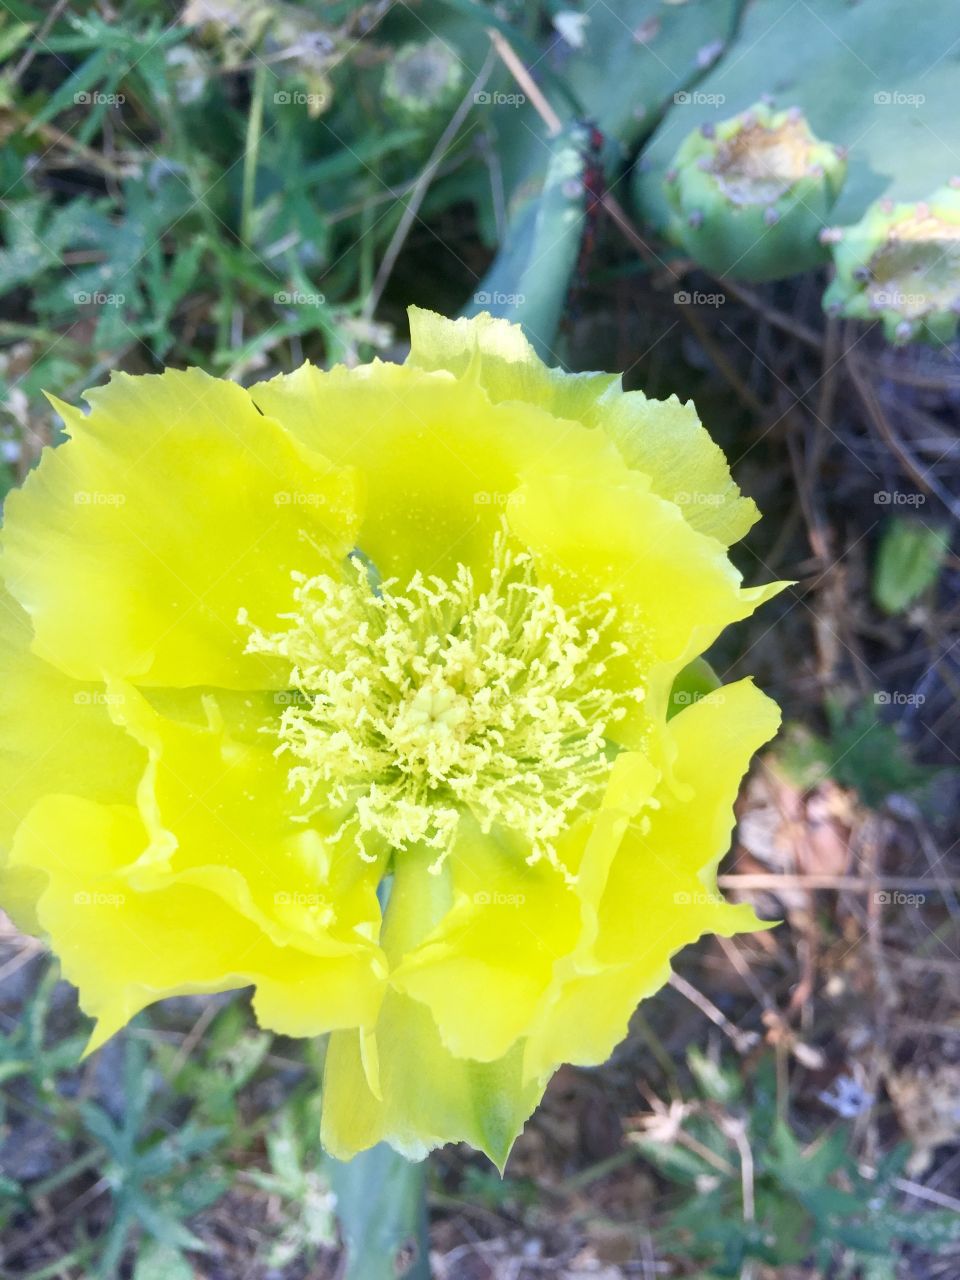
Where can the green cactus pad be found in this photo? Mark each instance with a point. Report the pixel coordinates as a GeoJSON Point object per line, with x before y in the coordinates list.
{"type": "Point", "coordinates": [749, 196]}
{"type": "Point", "coordinates": [896, 118]}
{"type": "Point", "coordinates": [901, 264]}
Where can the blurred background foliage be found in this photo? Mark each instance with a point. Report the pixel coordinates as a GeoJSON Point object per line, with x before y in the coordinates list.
{"type": "Point", "coordinates": [243, 184]}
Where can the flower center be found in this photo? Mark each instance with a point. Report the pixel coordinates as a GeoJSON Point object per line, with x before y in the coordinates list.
{"type": "Point", "coordinates": [413, 707]}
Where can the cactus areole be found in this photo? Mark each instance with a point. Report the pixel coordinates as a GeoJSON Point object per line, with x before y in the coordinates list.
{"type": "Point", "coordinates": [750, 196]}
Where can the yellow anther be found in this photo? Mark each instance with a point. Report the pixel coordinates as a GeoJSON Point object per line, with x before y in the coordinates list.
{"type": "Point", "coordinates": [416, 706]}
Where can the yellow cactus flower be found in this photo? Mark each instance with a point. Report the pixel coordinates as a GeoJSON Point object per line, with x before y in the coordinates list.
{"type": "Point", "coordinates": [355, 687]}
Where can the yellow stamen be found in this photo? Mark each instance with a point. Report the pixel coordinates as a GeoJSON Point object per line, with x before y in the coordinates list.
{"type": "Point", "coordinates": [416, 706]}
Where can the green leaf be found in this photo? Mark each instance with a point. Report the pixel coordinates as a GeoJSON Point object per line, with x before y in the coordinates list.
{"type": "Point", "coordinates": [76, 89]}
{"type": "Point", "coordinates": [160, 1262]}
{"type": "Point", "coordinates": [716, 1083]}
{"type": "Point", "coordinates": [909, 560]}
{"type": "Point", "coordinates": [12, 37]}
{"type": "Point", "coordinates": [675, 1162]}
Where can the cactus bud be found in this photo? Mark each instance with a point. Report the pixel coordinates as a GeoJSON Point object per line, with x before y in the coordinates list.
{"type": "Point", "coordinates": [901, 263]}
{"type": "Point", "coordinates": [730, 184]}
{"type": "Point", "coordinates": [422, 80]}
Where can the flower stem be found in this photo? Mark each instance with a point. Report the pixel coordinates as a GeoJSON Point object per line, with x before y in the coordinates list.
{"type": "Point", "coordinates": [382, 1207]}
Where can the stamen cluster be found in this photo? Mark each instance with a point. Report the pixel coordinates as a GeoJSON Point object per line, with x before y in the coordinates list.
{"type": "Point", "coordinates": [411, 707]}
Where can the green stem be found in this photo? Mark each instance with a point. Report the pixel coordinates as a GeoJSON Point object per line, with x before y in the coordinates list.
{"type": "Point", "coordinates": [382, 1207]}
{"type": "Point", "coordinates": [252, 153]}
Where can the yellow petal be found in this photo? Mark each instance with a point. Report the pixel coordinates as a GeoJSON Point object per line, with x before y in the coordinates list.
{"type": "Point", "coordinates": [661, 891]}
{"type": "Point", "coordinates": [428, 1096]}
{"type": "Point", "coordinates": [498, 355]}
{"type": "Point", "coordinates": [438, 460]}
{"type": "Point", "coordinates": [675, 588]}
{"type": "Point", "coordinates": [220, 817]}
{"type": "Point", "coordinates": [125, 948]}
{"type": "Point", "coordinates": [422, 1095]}
{"type": "Point", "coordinates": [662, 438]}
{"type": "Point", "coordinates": [56, 734]}
{"type": "Point", "coordinates": [173, 505]}
{"type": "Point", "coordinates": [508, 924]}
{"type": "Point", "coordinates": [665, 440]}
{"type": "Point", "coordinates": [522, 932]}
